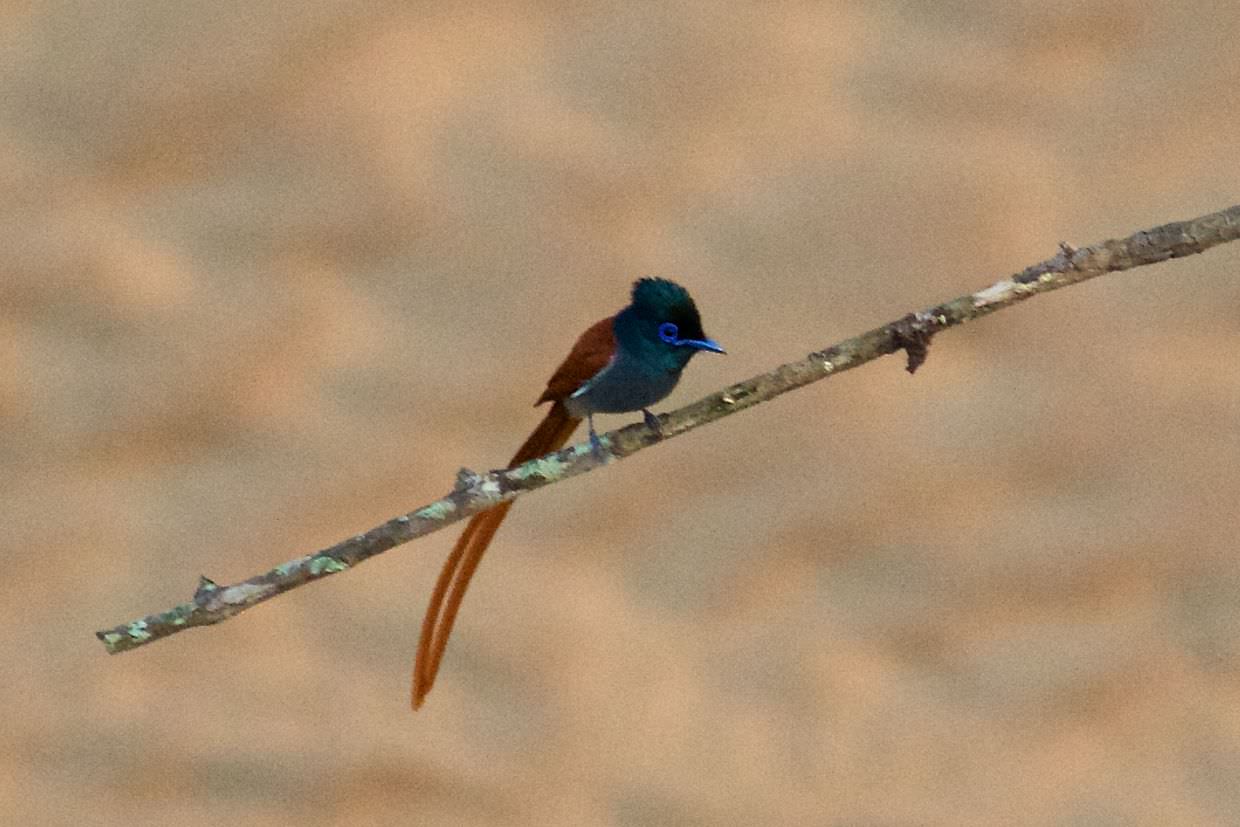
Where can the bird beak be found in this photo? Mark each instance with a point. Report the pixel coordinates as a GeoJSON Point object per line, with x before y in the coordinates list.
{"type": "Point", "coordinates": [704, 344]}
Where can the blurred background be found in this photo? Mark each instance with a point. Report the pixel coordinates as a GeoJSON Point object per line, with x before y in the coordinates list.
{"type": "Point", "coordinates": [271, 273]}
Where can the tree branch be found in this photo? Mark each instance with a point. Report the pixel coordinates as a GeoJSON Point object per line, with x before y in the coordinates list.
{"type": "Point", "coordinates": [212, 603]}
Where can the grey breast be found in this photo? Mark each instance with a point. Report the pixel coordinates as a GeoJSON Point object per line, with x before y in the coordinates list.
{"type": "Point", "coordinates": [625, 384]}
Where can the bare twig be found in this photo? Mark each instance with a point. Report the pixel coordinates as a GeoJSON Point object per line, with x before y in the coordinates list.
{"type": "Point", "coordinates": [473, 493]}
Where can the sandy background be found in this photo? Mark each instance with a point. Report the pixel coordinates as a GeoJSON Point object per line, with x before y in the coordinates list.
{"type": "Point", "coordinates": [269, 274]}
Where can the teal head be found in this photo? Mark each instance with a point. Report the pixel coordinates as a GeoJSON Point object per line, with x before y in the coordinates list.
{"type": "Point", "coordinates": [662, 324]}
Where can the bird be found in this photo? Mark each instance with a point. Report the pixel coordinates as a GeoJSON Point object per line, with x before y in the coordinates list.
{"type": "Point", "coordinates": [621, 364]}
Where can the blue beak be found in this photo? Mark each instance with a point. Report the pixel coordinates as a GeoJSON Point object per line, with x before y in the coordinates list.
{"type": "Point", "coordinates": [703, 344]}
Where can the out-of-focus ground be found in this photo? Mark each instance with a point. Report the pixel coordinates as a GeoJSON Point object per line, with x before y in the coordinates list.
{"type": "Point", "coordinates": [270, 274]}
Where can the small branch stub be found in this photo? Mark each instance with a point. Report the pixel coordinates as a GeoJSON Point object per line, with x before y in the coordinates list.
{"type": "Point", "coordinates": [912, 334]}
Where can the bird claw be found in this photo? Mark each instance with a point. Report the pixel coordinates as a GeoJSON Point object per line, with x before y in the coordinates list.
{"type": "Point", "coordinates": [652, 422]}
{"type": "Point", "coordinates": [596, 444]}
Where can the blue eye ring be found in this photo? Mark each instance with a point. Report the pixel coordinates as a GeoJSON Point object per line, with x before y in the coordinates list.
{"type": "Point", "coordinates": [669, 333]}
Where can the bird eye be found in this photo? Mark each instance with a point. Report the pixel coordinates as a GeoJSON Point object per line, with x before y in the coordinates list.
{"type": "Point", "coordinates": [669, 333]}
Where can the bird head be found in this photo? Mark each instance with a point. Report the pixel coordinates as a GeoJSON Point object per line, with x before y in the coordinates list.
{"type": "Point", "coordinates": [662, 319]}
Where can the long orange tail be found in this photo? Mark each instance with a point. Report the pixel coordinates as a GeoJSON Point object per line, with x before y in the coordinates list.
{"type": "Point", "coordinates": [459, 568]}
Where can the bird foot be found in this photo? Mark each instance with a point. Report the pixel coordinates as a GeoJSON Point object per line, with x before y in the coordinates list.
{"type": "Point", "coordinates": [596, 444]}
{"type": "Point", "coordinates": [652, 422]}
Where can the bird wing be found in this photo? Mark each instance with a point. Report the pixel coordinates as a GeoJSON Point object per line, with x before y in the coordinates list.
{"type": "Point", "coordinates": [589, 355]}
